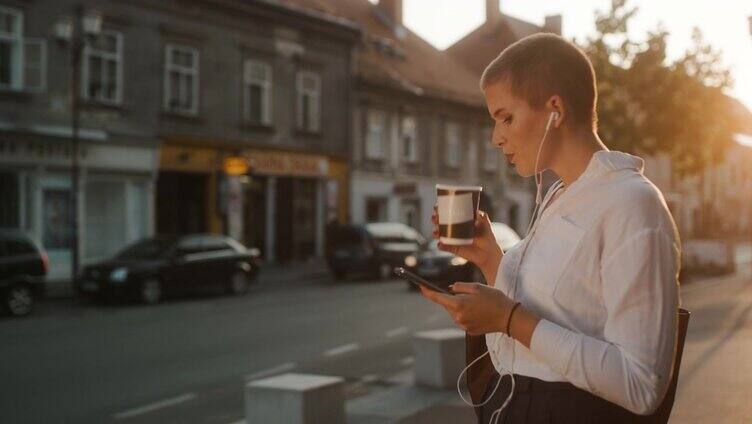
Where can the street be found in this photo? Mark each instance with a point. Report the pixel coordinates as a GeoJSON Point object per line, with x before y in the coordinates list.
{"type": "Point", "coordinates": [186, 360]}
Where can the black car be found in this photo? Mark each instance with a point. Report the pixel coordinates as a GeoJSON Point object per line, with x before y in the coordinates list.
{"type": "Point", "coordinates": [153, 268]}
{"type": "Point", "coordinates": [444, 268]}
{"type": "Point", "coordinates": [373, 249]}
{"type": "Point", "coordinates": [23, 267]}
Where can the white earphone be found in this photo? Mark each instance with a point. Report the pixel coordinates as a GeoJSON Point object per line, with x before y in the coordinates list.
{"type": "Point", "coordinates": [510, 372]}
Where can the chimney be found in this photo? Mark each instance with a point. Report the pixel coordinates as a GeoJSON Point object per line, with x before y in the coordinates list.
{"type": "Point", "coordinates": [553, 24]}
{"type": "Point", "coordinates": [492, 10]}
{"type": "Point", "coordinates": [393, 10]}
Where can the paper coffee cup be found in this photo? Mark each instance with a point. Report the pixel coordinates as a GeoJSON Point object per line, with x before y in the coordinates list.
{"type": "Point", "coordinates": [457, 207]}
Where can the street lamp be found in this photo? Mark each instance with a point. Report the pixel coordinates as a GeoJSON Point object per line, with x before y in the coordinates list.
{"type": "Point", "coordinates": [74, 33]}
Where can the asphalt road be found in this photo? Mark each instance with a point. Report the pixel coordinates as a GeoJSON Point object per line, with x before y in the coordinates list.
{"type": "Point", "coordinates": [186, 360]}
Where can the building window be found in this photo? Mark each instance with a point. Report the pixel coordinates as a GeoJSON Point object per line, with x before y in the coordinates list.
{"type": "Point", "coordinates": [257, 92]}
{"type": "Point", "coordinates": [308, 101]}
{"type": "Point", "coordinates": [11, 48]}
{"type": "Point", "coordinates": [376, 209]}
{"type": "Point", "coordinates": [409, 139]}
{"type": "Point", "coordinates": [491, 155]}
{"type": "Point", "coordinates": [375, 138]}
{"type": "Point", "coordinates": [35, 64]}
{"type": "Point", "coordinates": [103, 68]}
{"type": "Point", "coordinates": [181, 79]}
{"type": "Point", "coordinates": [452, 151]}
{"type": "Point", "coordinates": [22, 60]}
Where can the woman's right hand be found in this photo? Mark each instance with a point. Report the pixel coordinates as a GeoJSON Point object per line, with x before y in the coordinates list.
{"type": "Point", "coordinates": [483, 252]}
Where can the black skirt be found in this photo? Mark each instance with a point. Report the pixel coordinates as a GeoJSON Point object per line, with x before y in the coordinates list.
{"type": "Point", "coordinates": [541, 402]}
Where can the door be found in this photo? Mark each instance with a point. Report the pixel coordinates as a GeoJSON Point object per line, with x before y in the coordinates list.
{"type": "Point", "coordinates": [56, 230]}
{"type": "Point", "coordinates": [181, 203]}
{"type": "Point", "coordinates": [254, 213]}
{"type": "Point", "coordinates": [284, 218]}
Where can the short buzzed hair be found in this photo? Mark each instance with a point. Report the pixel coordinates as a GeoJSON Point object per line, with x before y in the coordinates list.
{"type": "Point", "coordinates": [542, 65]}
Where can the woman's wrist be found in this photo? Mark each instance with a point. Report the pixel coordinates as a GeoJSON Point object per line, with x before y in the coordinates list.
{"type": "Point", "coordinates": [522, 324]}
{"type": "Point", "coordinates": [491, 267]}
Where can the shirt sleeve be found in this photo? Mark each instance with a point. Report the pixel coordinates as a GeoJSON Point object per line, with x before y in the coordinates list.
{"type": "Point", "coordinates": [631, 366]}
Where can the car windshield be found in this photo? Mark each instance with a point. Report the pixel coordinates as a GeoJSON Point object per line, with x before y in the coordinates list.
{"type": "Point", "coordinates": [145, 249]}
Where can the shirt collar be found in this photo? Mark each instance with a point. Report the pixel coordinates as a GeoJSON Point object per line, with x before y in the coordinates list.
{"type": "Point", "coordinates": [606, 161]}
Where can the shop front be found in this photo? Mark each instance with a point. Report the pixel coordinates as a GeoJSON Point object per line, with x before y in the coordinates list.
{"type": "Point", "coordinates": [187, 190]}
{"type": "Point", "coordinates": [288, 198]}
{"type": "Point", "coordinates": [116, 184]}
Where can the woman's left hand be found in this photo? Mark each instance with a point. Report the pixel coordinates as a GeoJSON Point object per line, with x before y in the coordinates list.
{"type": "Point", "coordinates": [476, 308]}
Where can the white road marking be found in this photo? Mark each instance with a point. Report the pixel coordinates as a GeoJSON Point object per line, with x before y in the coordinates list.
{"type": "Point", "coordinates": [340, 350]}
{"type": "Point", "coordinates": [394, 332]}
{"type": "Point", "coordinates": [408, 360]}
{"type": "Point", "coordinates": [270, 371]}
{"type": "Point", "coordinates": [154, 406]}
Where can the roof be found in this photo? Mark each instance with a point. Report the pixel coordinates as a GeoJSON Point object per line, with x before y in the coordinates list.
{"type": "Point", "coordinates": [742, 116]}
{"type": "Point", "coordinates": [478, 48]}
{"type": "Point", "coordinates": [396, 57]}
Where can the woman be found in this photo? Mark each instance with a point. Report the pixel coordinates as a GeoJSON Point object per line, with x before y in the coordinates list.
{"type": "Point", "coordinates": [583, 310]}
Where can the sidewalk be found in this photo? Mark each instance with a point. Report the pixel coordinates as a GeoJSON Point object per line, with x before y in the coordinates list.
{"type": "Point", "coordinates": [405, 403]}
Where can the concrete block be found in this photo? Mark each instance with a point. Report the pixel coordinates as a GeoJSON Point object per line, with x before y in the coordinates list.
{"type": "Point", "coordinates": [439, 357]}
{"type": "Point", "coordinates": [295, 399]}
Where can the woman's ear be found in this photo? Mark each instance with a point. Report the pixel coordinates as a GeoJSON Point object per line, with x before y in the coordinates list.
{"type": "Point", "coordinates": [556, 105]}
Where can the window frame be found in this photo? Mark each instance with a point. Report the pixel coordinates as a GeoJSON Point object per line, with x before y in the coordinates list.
{"type": "Point", "coordinates": [490, 156]}
{"type": "Point", "coordinates": [267, 90]}
{"type": "Point", "coordinates": [412, 157]}
{"type": "Point", "coordinates": [41, 67]}
{"type": "Point", "coordinates": [117, 56]}
{"type": "Point", "coordinates": [370, 151]}
{"type": "Point", "coordinates": [16, 39]}
{"type": "Point", "coordinates": [194, 71]}
{"type": "Point", "coordinates": [452, 143]}
{"type": "Point", "coordinates": [314, 125]}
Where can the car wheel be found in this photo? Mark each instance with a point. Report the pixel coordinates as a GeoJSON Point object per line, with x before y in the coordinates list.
{"type": "Point", "coordinates": [385, 272]}
{"type": "Point", "coordinates": [151, 291]}
{"type": "Point", "coordinates": [20, 300]}
{"type": "Point", "coordinates": [238, 284]}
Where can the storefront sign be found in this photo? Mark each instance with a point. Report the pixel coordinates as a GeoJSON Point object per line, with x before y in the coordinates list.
{"type": "Point", "coordinates": [188, 159]}
{"type": "Point", "coordinates": [283, 163]}
{"type": "Point", "coordinates": [34, 150]}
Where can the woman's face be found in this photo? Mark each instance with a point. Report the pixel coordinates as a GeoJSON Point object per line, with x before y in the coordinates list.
{"type": "Point", "coordinates": [518, 129]}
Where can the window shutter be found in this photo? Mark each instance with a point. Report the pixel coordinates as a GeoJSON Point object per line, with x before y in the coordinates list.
{"type": "Point", "coordinates": [35, 64]}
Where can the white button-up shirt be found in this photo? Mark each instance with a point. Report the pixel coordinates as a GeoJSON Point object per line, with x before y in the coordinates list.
{"type": "Point", "coordinates": [601, 270]}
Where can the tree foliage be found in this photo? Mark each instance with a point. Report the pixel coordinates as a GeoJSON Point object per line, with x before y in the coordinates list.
{"type": "Point", "coordinates": [647, 104]}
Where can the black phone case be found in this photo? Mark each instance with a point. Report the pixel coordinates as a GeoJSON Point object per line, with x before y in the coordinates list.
{"type": "Point", "coordinates": [409, 276]}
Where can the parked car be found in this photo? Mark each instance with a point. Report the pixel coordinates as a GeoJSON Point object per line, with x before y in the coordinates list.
{"type": "Point", "coordinates": [23, 266]}
{"type": "Point", "coordinates": [157, 267]}
{"type": "Point", "coordinates": [444, 268]}
{"type": "Point", "coordinates": [374, 249]}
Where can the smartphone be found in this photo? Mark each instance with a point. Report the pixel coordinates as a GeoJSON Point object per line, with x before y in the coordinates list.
{"type": "Point", "coordinates": [409, 276]}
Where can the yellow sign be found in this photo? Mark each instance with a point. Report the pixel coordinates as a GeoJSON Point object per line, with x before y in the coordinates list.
{"type": "Point", "coordinates": [235, 165]}
{"type": "Point", "coordinates": [283, 163]}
